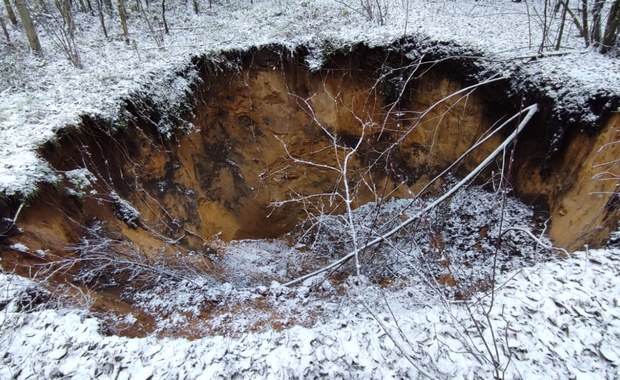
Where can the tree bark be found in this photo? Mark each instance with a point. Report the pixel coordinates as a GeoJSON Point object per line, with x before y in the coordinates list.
{"type": "Point", "coordinates": [163, 15]}
{"type": "Point", "coordinates": [6, 32]}
{"type": "Point", "coordinates": [584, 22]}
{"type": "Point", "coordinates": [9, 11]}
{"type": "Point", "coordinates": [611, 29]}
{"type": "Point", "coordinates": [31, 32]}
{"type": "Point", "coordinates": [578, 22]}
{"type": "Point", "coordinates": [99, 4]}
{"type": "Point", "coordinates": [541, 48]}
{"type": "Point", "coordinates": [122, 11]}
{"type": "Point", "coordinates": [562, 23]}
{"type": "Point", "coordinates": [597, 9]}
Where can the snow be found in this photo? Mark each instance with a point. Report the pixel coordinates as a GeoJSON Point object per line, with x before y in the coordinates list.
{"type": "Point", "coordinates": [560, 320]}
{"type": "Point", "coordinates": [553, 319]}
{"type": "Point", "coordinates": [42, 94]}
{"type": "Point", "coordinates": [124, 210]}
{"type": "Point", "coordinates": [81, 180]}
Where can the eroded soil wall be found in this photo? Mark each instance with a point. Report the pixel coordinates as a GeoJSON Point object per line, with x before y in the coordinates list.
{"type": "Point", "coordinates": [579, 187]}
{"type": "Point", "coordinates": [269, 149]}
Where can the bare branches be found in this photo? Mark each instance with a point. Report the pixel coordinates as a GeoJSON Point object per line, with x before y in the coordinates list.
{"type": "Point", "coordinates": [597, 21]}
{"type": "Point", "coordinates": [105, 261]}
{"type": "Point", "coordinates": [373, 10]}
{"type": "Point", "coordinates": [61, 30]}
{"type": "Point", "coordinates": [531, 110]}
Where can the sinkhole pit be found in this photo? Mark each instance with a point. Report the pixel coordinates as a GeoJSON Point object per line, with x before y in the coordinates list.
{"type": "Point", "coordinates": [261, 151]}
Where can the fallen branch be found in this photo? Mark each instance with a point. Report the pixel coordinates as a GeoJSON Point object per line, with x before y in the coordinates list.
{"type": "Point", "coordinates": [537, 240]}
{"type": "Point", "coordinates": [531, 110]}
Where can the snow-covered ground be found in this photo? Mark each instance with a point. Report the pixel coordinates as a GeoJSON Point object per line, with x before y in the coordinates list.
{"type": "Point", "coordinates": [549, 316]}
{"type": "Point", "coordinates": [41, 94]}
{"type": "Point", "coordinates": [552, 319]}
{"type": "Point", "coordinates": [560, 319]}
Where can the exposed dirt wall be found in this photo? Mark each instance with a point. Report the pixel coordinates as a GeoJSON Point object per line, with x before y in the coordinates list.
{"type": "Point", "coordinates": [264, 136]}
{"type": "Point", "coordinates": [580, 186]}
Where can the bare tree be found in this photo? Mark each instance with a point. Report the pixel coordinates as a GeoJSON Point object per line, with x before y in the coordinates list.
{"type": "Point", "coordinates": [156, 34]}
{"type": "Point", "coordinates": [385, 233]}
{"type": "Point", "coordinates": [9, 11]}
{"type": "Point", "coordinates": [598, 24]}
{"type": "Point", "coordinates": [376, 10]}
{"type": "Point", "coordinates": [597, 14]}
{"type": "Point", "coordinates": [562, 23]}
{"type": "Point", "coordinates": [122, 12]}
{"type": "Point", "coordinates": [6, 32]}
{"type": "Point", "coordinates": [64, 33]}
{"type": "Point", "coordinates": [545, 26]}
{"type": "Point", "coordinates": [163, 15]}
{"type": "Point", "coordinates": [99, 4]}
{"type": "Point", "coordinates": [60, 27]}
{"type": "Point", "coordinates": [610, 35]}
{"type": "Point", "coordinates": [373, 10]}
{"type": "Point", "coordinates": [585, 29]}
{"type": "Point", "coordinates": [31, 32]}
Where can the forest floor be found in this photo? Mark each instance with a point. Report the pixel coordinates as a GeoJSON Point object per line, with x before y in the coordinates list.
{"type": "Point", "coordinates": [552, 316]}
{"type": "Point", "coordinates": [549, 315]}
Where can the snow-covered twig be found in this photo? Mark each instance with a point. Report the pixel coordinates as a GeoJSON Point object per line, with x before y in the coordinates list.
{"type": "Point", "coordinates": [536, 239]}
{"type": "Point", "coordinates": [531, 110]}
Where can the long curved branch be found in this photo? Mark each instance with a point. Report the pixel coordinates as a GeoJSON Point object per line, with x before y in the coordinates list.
{"type": "Point", "coordinates": [531, 110]}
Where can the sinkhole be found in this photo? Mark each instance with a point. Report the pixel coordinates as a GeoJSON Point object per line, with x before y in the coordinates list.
{"type": "Point", "coordinates": [267, 142]}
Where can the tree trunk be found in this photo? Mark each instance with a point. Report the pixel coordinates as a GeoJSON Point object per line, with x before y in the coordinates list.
{"type": "Point", "coordinates": [99, 4]}
{"type": "Point", "coordinates": [66, 34]}
{"type": "Point", "coordinates": [9, 11]}
{"type": "Point", "coordinates": [31, 32]}
{"type": "Point", "coordinates": [64, 7]}
{"type": "Point", "coordinates": [577, 21]}
{"type": "Point", "coordinates": [6, 32]}
{"type": "Point", "coordinates": [123, 14]}
{"type": "Point", "coordinates": [584, 22]}
{"type": "Point", "coordinates": [611, 29]}
{"type": "Point", "coordinates": [541, 48]}
{"type": "Point", "coordinates": [163, 15]}
{"type": "Point", "coordinates": [596, 22]}
{"type": "Point", "coordinates": [562, 23]}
